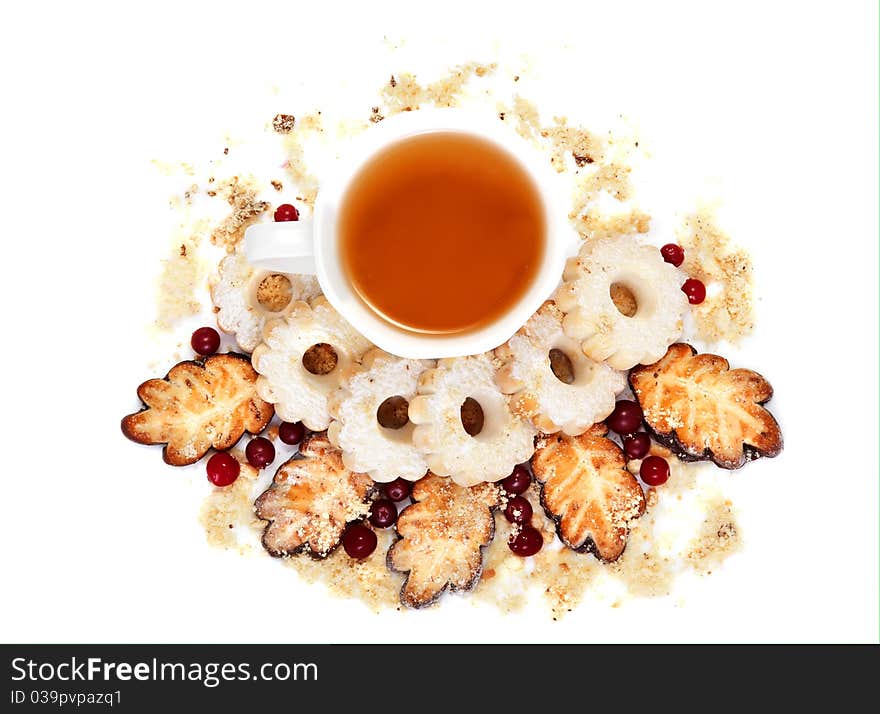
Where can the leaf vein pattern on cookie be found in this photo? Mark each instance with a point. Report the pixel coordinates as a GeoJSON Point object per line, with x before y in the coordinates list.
{"type": "Point", "coordinates": [197, 406]}
{"type": "Point", "coordinates": [701, 409]}
{"type": "Point", "coordinates": [311, 500]}
{"type": "Point", "coordinates": [587, 491]}
{"type": "Point", "coordinates": [442, 535]}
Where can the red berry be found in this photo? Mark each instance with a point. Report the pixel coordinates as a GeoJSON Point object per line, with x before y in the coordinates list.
{"type": "Point", "coordinates": [383, 513]}
{"type": "Point", "coordinates": [359, 541]}
{"type": "Point", "coordinates": [527, 542]}
{"type": "Point", "coordinates": [626, 417]}
{"type": "Point", "coordinates": [223, 469]}
{"type": "Point", "coordinates": [518, 510]}
{"type": "Point", "coordinates": [518, 482]}
{"type": "Point", "coordinates": [695, 291]}
{"type": "Point", "coordinates": [260, 452]}
{"type": "Point", "coordinates": [637, 445]}
{"type": "Point", "coordinates": [285, 212]}
{"type": "Point", "coordinates": [205, 341]}
{"type": "Point", "coordinates": [291, 433]}
{"type": "Point", "coordinates": [398, 489]}
{"type": "Point", "coordinates": [654, 470]}
{"type": "Point", "coordinates": [672, 253]}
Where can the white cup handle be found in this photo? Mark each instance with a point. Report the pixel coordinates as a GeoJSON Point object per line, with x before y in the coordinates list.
{"type": "Point", "coordinates": [287, 247]}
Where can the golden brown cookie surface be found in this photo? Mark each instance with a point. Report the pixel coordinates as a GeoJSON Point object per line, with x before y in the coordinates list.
{"type": "Point", "coordinates": [701, 409]}
{"type": "Point", "coordinates": [587, 490]}
{"type": "Point", "coordinates": [197, 406]}
{"type": "Point", "coordinates": [312, 498]}
{"type": "Point", "coordinates": [441, 538]}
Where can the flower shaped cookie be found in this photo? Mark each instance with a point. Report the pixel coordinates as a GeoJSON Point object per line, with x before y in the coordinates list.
{"type": "Point", "coordinates": [302, 359]}
{"type": "Point", "coordinates": [371, 424]}
{"type": "Point", "coordinates": [552, 381]}
{"type": "Point", "coordinates": [465, 425]}
{"type": "Point", "coordinates": [592, 316]}
{"type": "Point", "coordinates": [246, 298]}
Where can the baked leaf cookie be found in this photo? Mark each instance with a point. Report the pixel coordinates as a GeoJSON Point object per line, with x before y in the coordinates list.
{"type": "Point", "coordinates": [245, 299]}
{"type": "Point", "coordinates": [701, 409]}
{"type": "Point", "coordinates": [371, 425]}
{"type": "Point", "coordinates": [442, 535]}
{"type": "Point", "coordinates": [587, 491]}
{"type": "Point", "coordinates": [622, 265]}
{"type": "Point", "coordinates": [302, 358]}
{"type": "Point", "coordinates": [311, 499]}
{"type": "Point", "coordinates": [199, 405]}
{"type": "Point", "coordinates": [495, 440]}
{"type": "Point", "coordinates": [553, 382]}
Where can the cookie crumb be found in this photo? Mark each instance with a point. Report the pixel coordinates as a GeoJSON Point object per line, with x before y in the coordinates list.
{"type": "Point", "coordinates": [283, 123]}
{"type": "Point", "coordinates": [241, 195]}
{"type": "Point", "coordinates": [710, 256]}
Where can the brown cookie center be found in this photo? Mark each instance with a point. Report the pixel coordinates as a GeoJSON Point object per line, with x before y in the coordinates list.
{"type": "Point", "coordinates": [624, 299]}
{"type": "Point", "coordinates": [320, 359]}
{"type": "Point", "coordinates": [393, 413]}
{"type": "Point", "coordinates": [472, 416]}
{"type": "Point", "coordinates": [274, 292]}
{"type": "Point", "coordinates": [561, 366]}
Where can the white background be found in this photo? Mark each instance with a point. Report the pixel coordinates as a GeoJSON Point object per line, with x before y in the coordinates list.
{"type": "Point", "coordinates": [771, 105]}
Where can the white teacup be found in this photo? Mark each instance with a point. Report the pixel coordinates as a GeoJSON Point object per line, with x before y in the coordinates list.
{"type": "Point", "coordinates": [312, 245]}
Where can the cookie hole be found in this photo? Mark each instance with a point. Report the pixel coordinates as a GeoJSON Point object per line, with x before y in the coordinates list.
{"type": "Point", "coordinates": [320, 359]}
{"type": "Point", "coordinates": [624, 299]}
{"type": "Point", "coordinates": [274, 292]}
{"type": "Point", "coordinates": [393, 413]}
{"type": "Point", "coordinates": [472, 416]}
{"type": "Point", "coordinates": [561, 366]}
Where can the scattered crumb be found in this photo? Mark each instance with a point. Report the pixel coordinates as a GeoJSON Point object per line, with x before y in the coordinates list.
{"type": "Point", "coordinates": [717, 540]}
{"type": "Point", "coordinates": [595, 226]}
{"type": "Point", "coordinates": [283, 123]}
{"type": "Point", "coordinates": [182, 276]}
{"type": "Point", "coordinates": [711, 257]}
{"type": "Point", "coordinates": [228, 512]}
{"type": "Point", "coordinates": [369, 579]}
{"type": "Point", "coordinates": [277, 185]}
{"type": "Point", "coordinates": [241, 194]}
{"type": "Point", "coordinates": [583, 146]}
{"type": "Point", "coordinates": [296, 166]}
{"type": "Point", "coordinates": [403, 93]}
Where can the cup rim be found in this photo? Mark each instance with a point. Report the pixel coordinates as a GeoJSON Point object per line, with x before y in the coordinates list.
{"type": "Point", "coordinates": [561, 240]}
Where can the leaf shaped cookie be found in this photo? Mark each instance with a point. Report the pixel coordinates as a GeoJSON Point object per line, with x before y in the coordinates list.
{"type": "Point", "coordinates": [199, 405]}
{"type": "Point", "coordinates": [587, 490]}
{"type": "Point", "coordinates": [311, 499]}
{"type": "Point", "coordinates": [701, 409]}
{"type": "Point", "coordinates": [441, 538]}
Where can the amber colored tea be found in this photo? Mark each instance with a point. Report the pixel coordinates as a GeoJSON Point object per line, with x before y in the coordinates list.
{"type": "Point", "coordinates": [441, 232]}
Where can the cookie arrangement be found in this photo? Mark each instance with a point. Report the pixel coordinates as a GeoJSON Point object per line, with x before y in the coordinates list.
{"type": "Point", "coordinates": [432, 448]}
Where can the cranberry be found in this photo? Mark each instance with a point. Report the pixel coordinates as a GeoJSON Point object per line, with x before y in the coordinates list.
{"type": "Point", "coordinates": [260, 452]}
{"type": "Point", "coordinates": [223, 469]}
{"type": "Point", "coordinates": [672, 253]}
{"type": "Point", "coordinates": [518, 482]}
{"type": "Point", "coordinates": [285, 212]}
{"type": "Point", "coordinates": [398, 489]}
{"type": "Point", "coordinates": [383, 513]}
{"type": "Point", "coordinates": [291, 433]}
{"type": "Point", "coordinates": [695, 291]}
{"type": "Point", "coordinates": [518, 510]}
{"type": "Point", "coordinates": [205, 341]}
{"type": "Point", "coordinates": [654, 470]}
{"type": "Point", "coordinates": [527, 542]}
{"type": "Point", "coordinates": [637, 445]}
{"type": "Point", "coordinates": [359, 541]}
{"type": "Point", "coordinates": [626, 417]}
